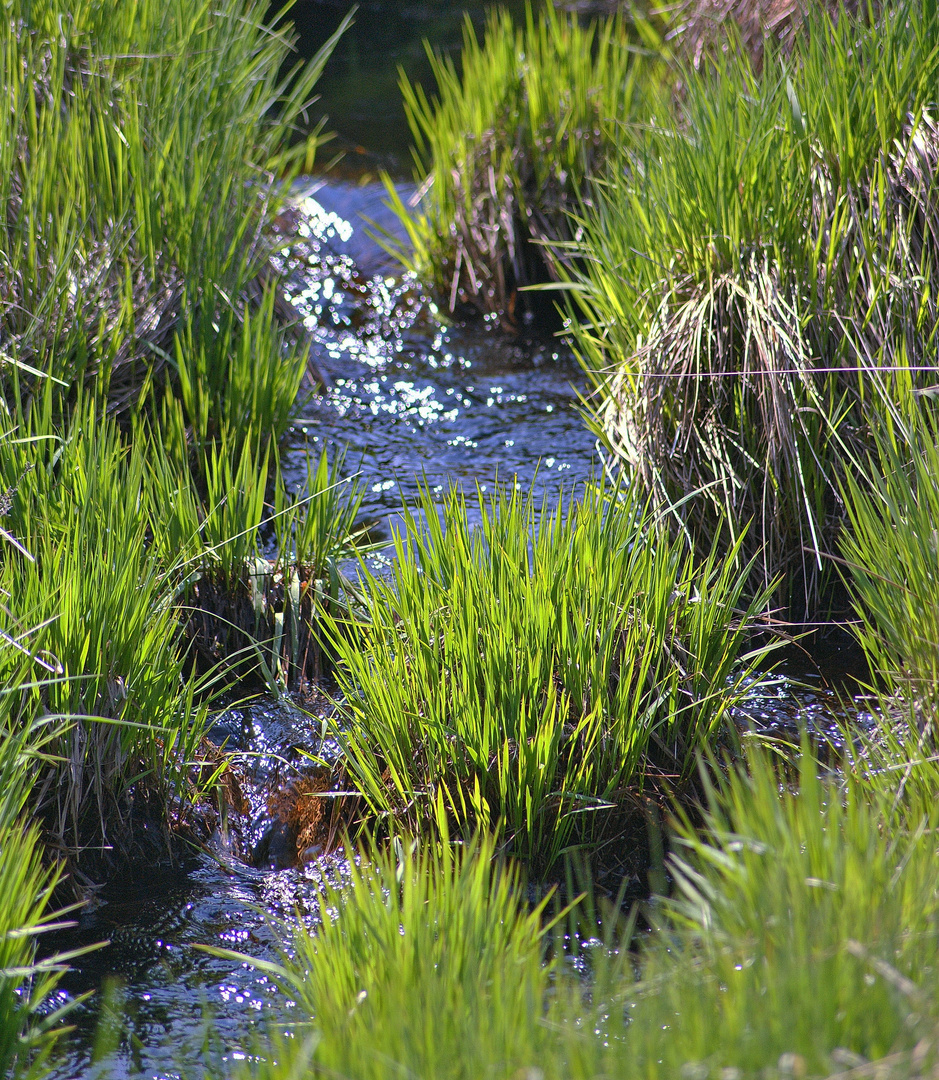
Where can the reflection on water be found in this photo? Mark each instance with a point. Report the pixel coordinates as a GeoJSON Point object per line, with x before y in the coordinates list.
{"type": "Point", "coordinates": [181, 1007]}
{"type": "Point", "coordinates": [414, 400]}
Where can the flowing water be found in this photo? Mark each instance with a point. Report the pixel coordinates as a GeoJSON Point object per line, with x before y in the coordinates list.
{"type": "Point", "coordinates": [414, 401]}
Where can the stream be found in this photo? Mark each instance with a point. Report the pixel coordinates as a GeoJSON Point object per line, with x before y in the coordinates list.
{"type": "Point", "coordinates": [413, 401]}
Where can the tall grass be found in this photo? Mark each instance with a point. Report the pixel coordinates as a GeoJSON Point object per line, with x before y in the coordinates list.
{"type": "Point", "coordinates": [26, 885]}
{"type": "Point", "coordinates": [144, 151]}
{"type": "Point", "coordinates": [803, 935]}
{"type": "Point", "coordinates": [801, 942]}
{"type": "Point", "coordinates": [255, 568]}
{"type": "Point", "coordinates": [504, 147]}
{"type": "Point", "coordinates": [93, 613]}
{"type": "Point", "coordinates": [115, 569]}
{"type": "Point", "coordinates": [451, 925]}
{"type": "Point", "coordinates": [525, 675]}
{"type": "Point", "coordinates": [746, 265]}
{"type": "Point", "coordinates": [891, 549]}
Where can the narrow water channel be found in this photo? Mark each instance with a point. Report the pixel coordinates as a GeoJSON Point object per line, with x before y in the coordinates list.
{"type": "Point", "coordinates": [411, 401]}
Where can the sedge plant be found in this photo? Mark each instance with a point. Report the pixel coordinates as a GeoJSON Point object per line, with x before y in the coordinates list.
{"type": "Point", "coordinates": [891, 551]}
{"type": "Point", "coordinates": [744, 263]}
{"type": "Point", "coordinates": [504, 147]}
{"type": "Point", "coordinates": [93, 613]}
{"type": "Point", "coordinates": [532, 671]}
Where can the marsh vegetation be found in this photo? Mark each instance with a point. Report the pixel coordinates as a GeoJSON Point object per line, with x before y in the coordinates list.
{"type": "Point", "coordinates": [740, 238]}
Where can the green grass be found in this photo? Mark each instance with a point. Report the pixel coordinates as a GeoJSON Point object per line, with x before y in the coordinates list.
{"type": "Point", "coordinates": [254, 567]}
{"type": "Point", "coordinates": [30, 1025]}
{"type": "Point", "coordinates": [524, 676]}
{"type": "Point", "coordinates": [891, 549]}
{"type": "Point", "coordinates": [147, 375]}
{"type": "Point", "coordinates": [121, 570]}
{"type": "Point", "coordinates": [806, 923]}
{"type": "Point", "coordinates": [144, 155]}
{"type": "Point", "coordinates": [504, 147]}
{"type": "Point", "coordinates": [450, 924]}
{"type": "Point", "coordinates": [94, 613]}
{"type": "Point", "coordinates": [748, 261]}
{"type": "Point", "coordinates": [801, 942]}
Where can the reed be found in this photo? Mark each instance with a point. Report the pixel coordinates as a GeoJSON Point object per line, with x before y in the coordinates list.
{"type": "Point", "coordinates": [526, 675]}
{"type": "Point", "coordinates": [504, 148]}
{"type": "Point", "coordinates": [744, 270]}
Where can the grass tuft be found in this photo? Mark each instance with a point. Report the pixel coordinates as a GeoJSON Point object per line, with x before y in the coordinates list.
{"type": "Point", "coordinates": [143, 158]}
{"type": "Point", "coordinates": [525, 675]}
{"type": "Point", "coordinates": [503, 150]}
{"type": "Point", "coordinates": [750, 266]}
{"type": "Point", "coordinates": [891, 550]}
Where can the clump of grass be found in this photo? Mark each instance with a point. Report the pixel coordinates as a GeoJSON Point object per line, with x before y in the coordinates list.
{"type": "Point", "coordinates": [801, 941]}
{"type": "Point", "coordinates": [93, 613]}
{"type": "Point", "coordinates": [141, 158]}
{"type": "Point", "coordinates": [746, 267]}
{"type": "Point", "coordinates": [503, 150]}
{"type": "Point", "coordinates": [255, 568]}
{"type": "Point", "coordinates": [526, 675]}
{"type": "Point", "coordinates": [803, 937]}
{"type": "Point", "coordinates": [115, 570]}
{"type": "Point", "coordinates": [891, 549]}
{"type": "Point", "coordinates": [432, 948]}
{"type": "Point", "coordinates": [29, 1028]}
{"type": "Point", "coordinates": [701, 28]}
